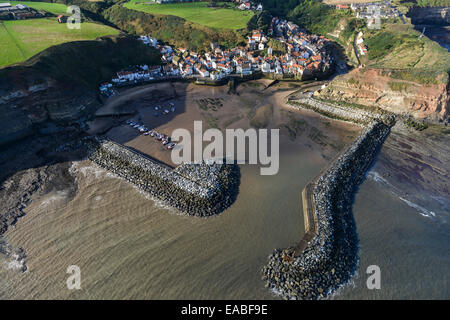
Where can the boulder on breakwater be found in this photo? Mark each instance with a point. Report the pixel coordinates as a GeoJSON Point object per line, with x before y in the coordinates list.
{"type": "Point", "coordinates": [334, 111]}
{"type": "Point", "coordinates": [330, 259]}
{"type": "Point", "coordinates": [195, 189]}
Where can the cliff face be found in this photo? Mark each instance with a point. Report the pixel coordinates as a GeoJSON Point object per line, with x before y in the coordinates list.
{"type": "Point", "coordinates": [41, 97]}
{"type": "Point", "coordinates": [375, 87]}
{"type": "Point", "coordinates": [61, 83]}
{"type": "Point", "coordinates": [430, 15]}
{"type": "Point", "coordinates": [28, 99]}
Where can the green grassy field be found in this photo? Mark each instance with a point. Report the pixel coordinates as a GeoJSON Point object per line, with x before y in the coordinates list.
{"type": "Point", "coordinates": [19, 40]}
{"type": "Point", "coordinates": [55, 8]}
{"type": "Point", "coordinates": [399, 46]}
{"type": "Point", "coordinates": [197, 12]}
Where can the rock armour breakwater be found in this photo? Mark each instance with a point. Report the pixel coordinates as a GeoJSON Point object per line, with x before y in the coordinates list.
{"type": "Point", "coordinates": [334, 111]}
{"type": "Point", "coordinates": [330, 258]}
{"type": "Point", "coordinates": [195, 189]}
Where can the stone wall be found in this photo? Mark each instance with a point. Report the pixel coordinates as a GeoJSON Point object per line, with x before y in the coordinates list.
{"type": "Point", "coordinates": [194, 189]}
{"type": "Point", "coordinates": [330, 255]}
{"type": "Point", "coordinates": [333, 111]}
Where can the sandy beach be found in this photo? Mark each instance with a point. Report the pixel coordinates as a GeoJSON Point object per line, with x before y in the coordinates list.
{"type": "Point", "coordinates": [252, 106]}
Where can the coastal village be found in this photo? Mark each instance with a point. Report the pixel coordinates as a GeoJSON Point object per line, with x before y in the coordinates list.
{"type": "Point", "coordinates": [304, 55]}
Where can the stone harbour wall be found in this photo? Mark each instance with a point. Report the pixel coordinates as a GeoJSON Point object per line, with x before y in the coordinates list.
{"type": "Point", "coordinates": [330, 256]}
{"type": "Point", "coordinates": [195, 189]}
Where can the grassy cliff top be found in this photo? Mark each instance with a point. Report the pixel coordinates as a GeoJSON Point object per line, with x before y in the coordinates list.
{"type": "Point", "coordinates": [21, 39]}
{"type": "Point", "coordinates": [86, 63]}
{"type": "Point", "coordinates": [227, 17]}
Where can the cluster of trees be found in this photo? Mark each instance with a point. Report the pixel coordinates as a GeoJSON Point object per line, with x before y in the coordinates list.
{"type": "Point", "coordinates": [311, 15]}
{"type": "Point", "coordinates": [260, 21]}
{"type": "Point", "coordinates": [280, 8]}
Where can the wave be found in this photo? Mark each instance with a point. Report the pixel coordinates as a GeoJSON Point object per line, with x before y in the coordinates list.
{"type": "Point", "coordinates": [424, 212]}
{"type": "Point", "coordinates": [16, 263]}
{"type": "Point", "coordinates": [375, 176]}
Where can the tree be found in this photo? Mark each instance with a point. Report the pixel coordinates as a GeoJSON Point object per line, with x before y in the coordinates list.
{"type": "Point", "coordinates": [264, 20]}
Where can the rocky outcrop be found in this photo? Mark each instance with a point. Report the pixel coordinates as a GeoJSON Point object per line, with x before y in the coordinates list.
{"type": "Point", "coordinates": [195, 189]}
{"type": "Point", "coordinates": [373, 87]}
{"type": "Point", "coordinates": [19, 189]}
{"type": "Point", "coordinates": [330, 258]}
{"type": "Point", "coordinates": [430, 15]}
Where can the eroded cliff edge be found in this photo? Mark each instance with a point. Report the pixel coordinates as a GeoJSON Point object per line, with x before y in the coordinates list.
{"type": "Point", "coordinates": [387, 90]}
